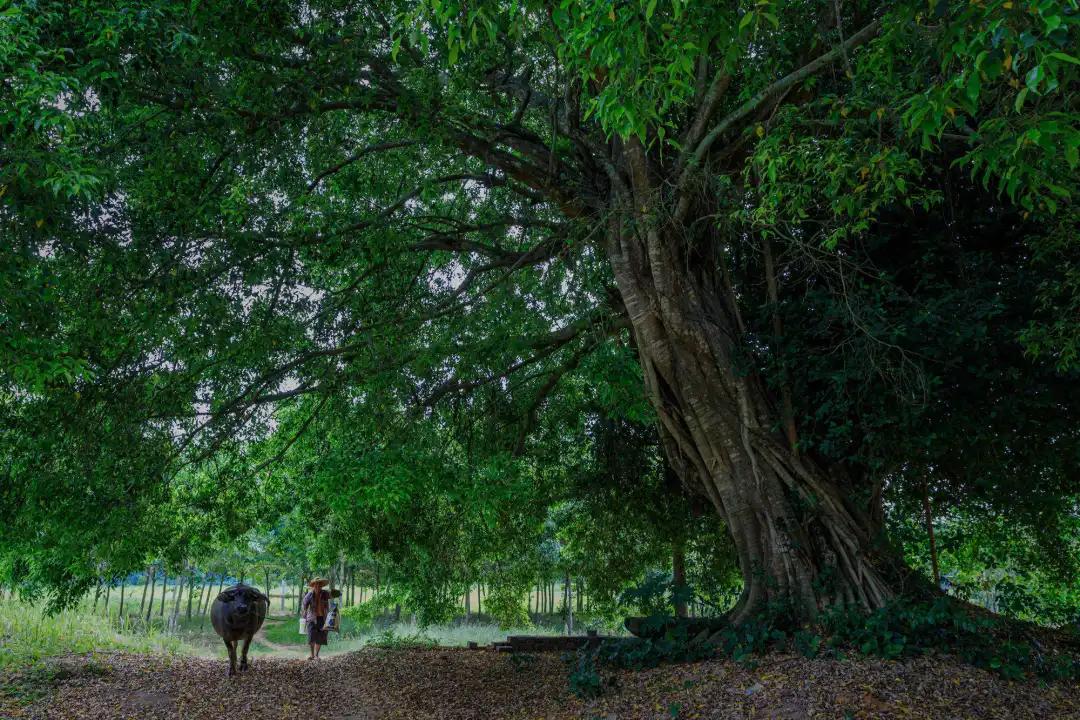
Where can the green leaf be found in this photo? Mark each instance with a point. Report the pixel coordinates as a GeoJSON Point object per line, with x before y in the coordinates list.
{"type": "Point", "coordinates": [1072, 155]}
{"type": "Point", "coordinates": [1034, 75]}
{"type": "Point", "coordinates": [974, 85]}
{"type": "Point", "coordinates": [1020, 97]}
{"type": "Point", "coordinates": [1064, 57]}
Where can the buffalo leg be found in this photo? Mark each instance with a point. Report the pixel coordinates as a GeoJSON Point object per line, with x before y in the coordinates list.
{"type": "Point", "coordinates": [231, 645]}
{"type": "Point", "coordinates": [243, 655]}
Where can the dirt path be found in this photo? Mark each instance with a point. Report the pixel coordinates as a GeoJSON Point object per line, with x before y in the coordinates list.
{"type": "Point", "coordinates": [454, 684]}
{"type": "Point", "coordinates": [260, 637]}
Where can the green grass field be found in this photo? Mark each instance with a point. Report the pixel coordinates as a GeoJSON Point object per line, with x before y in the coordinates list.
{"type": "Point", "coordinates": [28, 635]}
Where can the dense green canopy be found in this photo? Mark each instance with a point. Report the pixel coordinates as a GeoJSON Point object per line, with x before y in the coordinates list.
{"type": "Point", "coordinates": [358, 264]}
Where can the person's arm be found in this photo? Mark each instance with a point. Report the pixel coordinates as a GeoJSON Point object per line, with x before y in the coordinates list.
{"type": "Point", "coordinates": [305, 603]}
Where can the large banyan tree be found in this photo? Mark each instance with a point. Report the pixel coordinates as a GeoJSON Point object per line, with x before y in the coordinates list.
{"type": "Point", "coordinates": [836, 235]}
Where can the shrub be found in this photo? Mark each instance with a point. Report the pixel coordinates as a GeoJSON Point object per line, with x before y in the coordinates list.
{"type": "Point", "coordinates": [903, 628]}
{"type": "Point", "coordinates": [389, 641]}
{"type": "Point", "coordinates": [507, 606]}
{"type": "Point", "coordinates": [366, 613]}
{"type": "Point", "coordinates": [584, 679]}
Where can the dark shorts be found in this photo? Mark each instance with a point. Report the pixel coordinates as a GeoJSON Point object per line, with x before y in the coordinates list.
{"type": "Point", "coordinates": [315, 633]}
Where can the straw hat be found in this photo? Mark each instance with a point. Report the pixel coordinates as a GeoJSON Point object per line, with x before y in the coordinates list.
{"type": "Point", "coordinates": [319, 582]}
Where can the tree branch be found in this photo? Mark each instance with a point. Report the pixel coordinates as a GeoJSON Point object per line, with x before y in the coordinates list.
{"type": "Point", "coordinates": [782, 84]}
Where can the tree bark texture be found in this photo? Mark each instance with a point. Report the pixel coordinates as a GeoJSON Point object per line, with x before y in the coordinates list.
{"type": "Point", "coordinates": [798, 534]}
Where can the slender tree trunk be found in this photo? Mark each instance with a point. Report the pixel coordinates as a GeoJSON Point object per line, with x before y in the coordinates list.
{"type": "Point", "coordinates": [164, 592]}
{"type": "Point", "coordinates": [153, 585]}
{"type": "Point", "coordinates": [97, 594]}
{"type": "Point", "coordinates": [208, 590]}
{"type": "Point", "coordinates": [468, 603]}
{"type": "Point", "coordinates": [108, 590]}
{"type": "Point", "coordinates": [209, 582]}
{"type": "Point", "coordinates": [568, 602]}
{"type": "Point", "coordinates": [123, 586]}
{"type": "Point", "coordinates": [146, 585]}
{"type": "Point", "coordinates": [178, 594]}
{"type": "Point", "coordinates": [191, 591]}
{"type": "Point", "coordinates": [929, 515]}
{"type": "Point", "coordinates": [202, 594]}
{"type": "Point", "coordinates": [798, 529]}
{"type": "Point", "coordinates": [678, 576]}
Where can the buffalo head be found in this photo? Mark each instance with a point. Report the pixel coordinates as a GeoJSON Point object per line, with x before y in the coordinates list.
{"type": "Point", "coordinates": [238, 603]}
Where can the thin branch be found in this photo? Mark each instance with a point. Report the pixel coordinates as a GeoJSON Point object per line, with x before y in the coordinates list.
{"type": "Point", "coordinates": [782, 84]}
{"type": "Point", "coordinates": [370, 149]}
{"type": "Point", "coordinates": [545, 390]}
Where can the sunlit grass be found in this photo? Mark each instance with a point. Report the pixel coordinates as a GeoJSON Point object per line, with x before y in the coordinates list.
{"type": "Point", "coordinates": [28, 635]}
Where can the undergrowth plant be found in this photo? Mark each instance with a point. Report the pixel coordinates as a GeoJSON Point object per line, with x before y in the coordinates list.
{"type": "Point", "coordinates": [903, 628]}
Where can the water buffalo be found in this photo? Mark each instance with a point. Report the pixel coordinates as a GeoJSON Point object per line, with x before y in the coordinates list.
{"type": "Point", "coordinates": [237, 614]}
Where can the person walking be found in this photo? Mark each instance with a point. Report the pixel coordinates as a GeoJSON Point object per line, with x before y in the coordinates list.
{"type": "Point", "coordinates": [313, 609]}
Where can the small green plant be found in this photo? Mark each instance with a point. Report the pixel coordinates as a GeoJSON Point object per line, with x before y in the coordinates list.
{"type": "Point", "coordinates": [585, 680]}
{"type": "Point", "coordinates": [807, 643]}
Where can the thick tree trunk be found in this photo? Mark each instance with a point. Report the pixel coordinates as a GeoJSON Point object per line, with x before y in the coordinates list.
{"type": "Point", "coordinates": [799, 535]}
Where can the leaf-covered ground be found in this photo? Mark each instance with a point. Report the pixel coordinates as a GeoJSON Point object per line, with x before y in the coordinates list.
{"type": "Point", "coordinates": [454, 683]}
